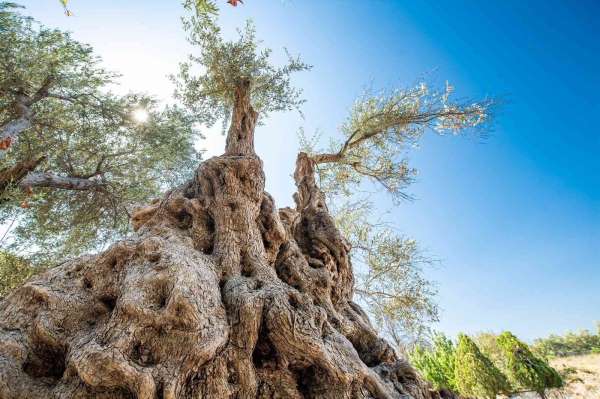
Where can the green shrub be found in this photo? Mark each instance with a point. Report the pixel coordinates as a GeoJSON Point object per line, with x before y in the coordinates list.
{"type": "Point", "coordinates": [436, 363]}
{"type": "Point", "coordinates": [524, 369]}
{"type": "Point", "coordinates": [475, 374]}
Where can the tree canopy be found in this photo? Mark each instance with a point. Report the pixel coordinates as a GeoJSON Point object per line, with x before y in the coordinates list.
{"type": "Point", "coordinates": [75, 159]}
{"type": "Point", "coordinates": [374, 140]}
{"type": "Point", "coordinates": [226, 65]}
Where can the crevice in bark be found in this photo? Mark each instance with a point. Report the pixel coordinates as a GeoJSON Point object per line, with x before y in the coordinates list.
{"type": "Point", "coordinates": [308, 381]}
{"type": "Point", "coordinates": [142, 355]}
{"type": "Point", "coordinates": [264, 354]}
{"type": "Point", "coordinates": [160, 393]}
{"type": "Point", "coordinates": [161, 291]}
{"type": "Point", "coordinates": [109, 302]}
{"type": "Point", "coordinates": [87, 283]}
{"type": "Point", "coordinates": [45, 360]}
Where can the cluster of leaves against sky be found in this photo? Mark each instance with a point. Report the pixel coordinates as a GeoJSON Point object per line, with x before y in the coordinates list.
{"type": "Point", "coordinates": [80, 163]}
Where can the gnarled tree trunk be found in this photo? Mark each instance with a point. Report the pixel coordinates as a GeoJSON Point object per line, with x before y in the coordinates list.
{"type": "Point", "coordinates": [218, 295]}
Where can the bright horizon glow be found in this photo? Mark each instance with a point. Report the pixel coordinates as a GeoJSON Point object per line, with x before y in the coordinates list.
{"type": "Point", "coordinates": [514, 219]}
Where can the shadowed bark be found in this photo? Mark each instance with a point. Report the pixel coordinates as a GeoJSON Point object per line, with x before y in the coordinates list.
{"type": "Point", "coordinates": [218, 295]}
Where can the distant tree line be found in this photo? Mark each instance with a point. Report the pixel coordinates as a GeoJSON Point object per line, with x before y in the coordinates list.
{"type": "Point", "coordinates": [572, 343]}
{"type": "Point", "coordinates": [484, 366]}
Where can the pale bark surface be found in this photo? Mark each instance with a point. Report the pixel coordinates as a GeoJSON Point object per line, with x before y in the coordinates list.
{"type": "Point", "coordinates": [219, 295]}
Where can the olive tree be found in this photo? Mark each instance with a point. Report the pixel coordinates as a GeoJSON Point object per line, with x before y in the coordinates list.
{"type": "Point", "coordinates": [219, 293]}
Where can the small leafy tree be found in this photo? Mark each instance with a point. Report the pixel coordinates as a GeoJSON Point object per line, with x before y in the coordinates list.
{"type": "Point", "coordinates": [437, 362]}
{"type": "Point", "coordinates": [475, 374]}
{"type": "Point", "coordinates": [230, 70]}
{"type": "Point", "coordinates": [524, 369]}
{"type": "Point", "coordinates": [382, 128]}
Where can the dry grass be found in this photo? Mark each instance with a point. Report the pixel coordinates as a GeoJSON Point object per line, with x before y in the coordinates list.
{"type": "Point", "coordinates": [583, 379]}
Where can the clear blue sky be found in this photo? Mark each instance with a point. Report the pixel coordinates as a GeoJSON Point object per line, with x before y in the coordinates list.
{"type": "Point", "coordinates": [514, 218]}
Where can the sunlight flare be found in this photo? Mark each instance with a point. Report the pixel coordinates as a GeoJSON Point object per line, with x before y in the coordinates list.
{"type": "Point", "coordinates": [140, 115]}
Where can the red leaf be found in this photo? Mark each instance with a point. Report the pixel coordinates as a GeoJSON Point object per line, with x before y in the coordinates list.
{"type": "Point", "coordinates": [5, 143]}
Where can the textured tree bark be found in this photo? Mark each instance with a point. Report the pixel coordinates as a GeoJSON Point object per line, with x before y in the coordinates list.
{"type": "Point", "coordinates": [218, 295]}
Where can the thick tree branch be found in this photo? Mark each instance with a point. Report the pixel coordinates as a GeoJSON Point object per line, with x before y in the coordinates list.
{"type": "Point", "coordinates": [42, 92]}
{"type": "Point", "coordinates": [47, 179]}
{"type": "Point", "coordinates": [11, 130]}
{"type": "Point", "coordinates": [16, 173]}
{"type": "Point", "coordinates": [396, 122]}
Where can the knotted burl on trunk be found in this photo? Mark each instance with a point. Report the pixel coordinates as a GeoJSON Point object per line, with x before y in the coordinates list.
{"type": "Point", "coordinates": [218, 295]}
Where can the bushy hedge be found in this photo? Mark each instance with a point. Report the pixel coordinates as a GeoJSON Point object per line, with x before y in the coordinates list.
{"type": "Point", "coordinates": [524, 369]}
{"type": "Point", "coordinates": [475, 374]}
{"type": "Point", "coordinates": [436, 363]}
{"type": "Point", "coordinates": [503, 365]}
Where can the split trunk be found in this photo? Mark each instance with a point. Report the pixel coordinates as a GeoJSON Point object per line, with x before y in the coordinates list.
{"type": "Point", "coordinates": [218, 295]}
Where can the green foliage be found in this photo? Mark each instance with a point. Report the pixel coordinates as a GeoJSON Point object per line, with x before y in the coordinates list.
{"type": "Point", "coordinates": [14, 271]}
{"type": "Point", "coordinates": [224, 65]}
{"type": "Point", "coordinates": [475, 374]}
{"type": "Point", "coordinates": [572, 343]}
{"type": "Point", "coordinates": [436, 363]}
{"type": "Point", "coordinates": [487, 343]}
{"type": "Point", "coordinates": [202, 7]}
{"type": "Point", "coordinates": [382, 127]}
{"type": "Point", "coordinates": [389, 274]}
{"type": "Point", "coordinates": [80, 131]}
{"type": "Point", "coordinates": [524, 369]}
